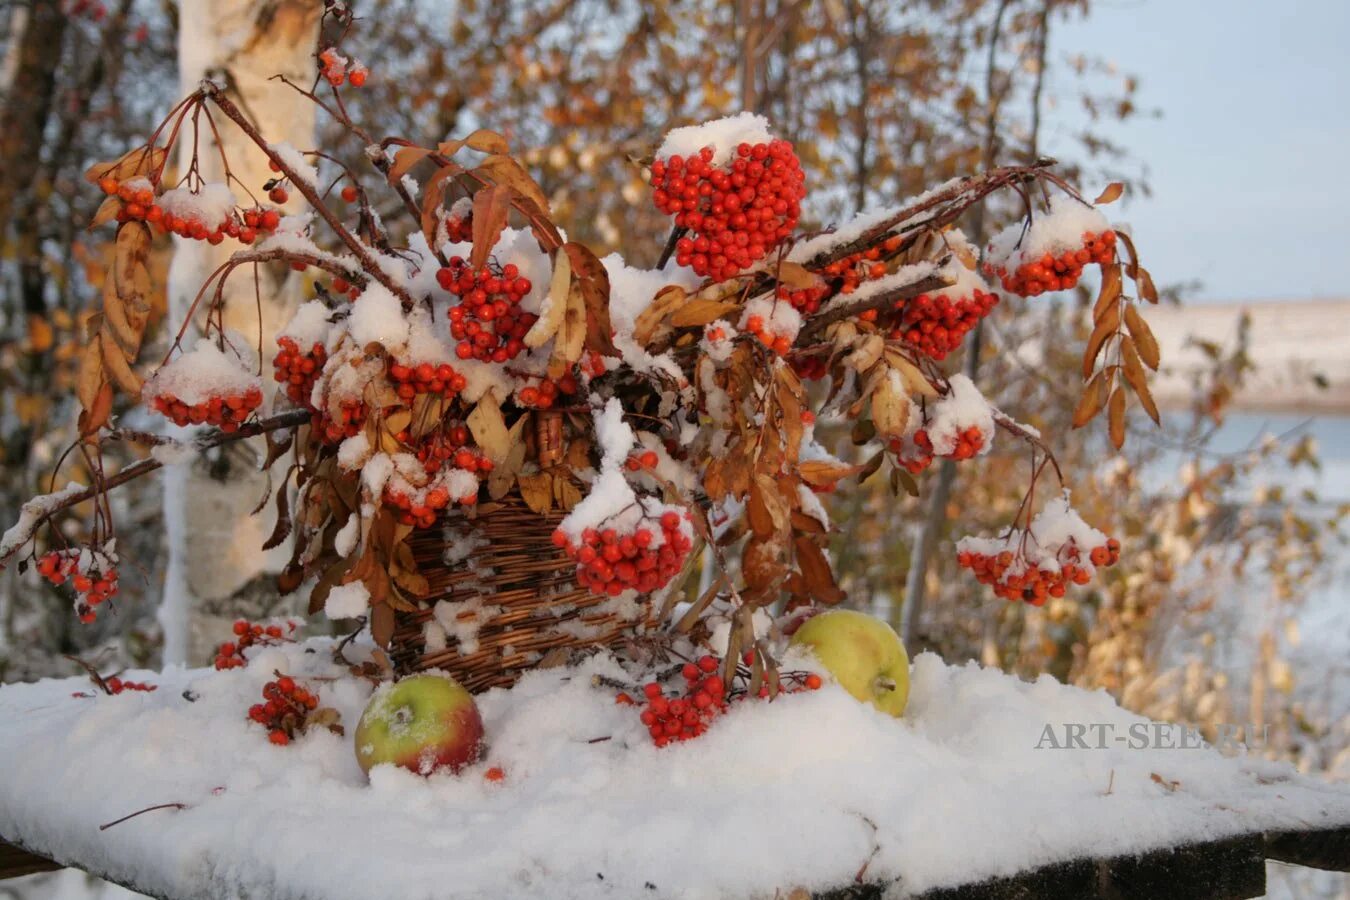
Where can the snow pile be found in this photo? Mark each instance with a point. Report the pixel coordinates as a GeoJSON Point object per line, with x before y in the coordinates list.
{"type": "Point", "coordinates": [347, 601]}
{"type": "Point", "coordinates": [722, 135]}
{"type": "Point", "coordinates": [610, 495]}
{"type": "Point", "coordinates": [799, 792]}
{"type": "Point", "coordinates": [309, 326]}
{"type": "Point", "coordinates": [377, 318]}
{"type": "Point", "coordinates": [1062, 228]}
{"type": "Point", "coordinates": [206, 371]}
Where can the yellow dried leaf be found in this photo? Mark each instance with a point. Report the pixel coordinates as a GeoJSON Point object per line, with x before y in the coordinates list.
{"type": "Point", "coordinates": [488, 428]}
{"type": "Point", "coordinates": [1144, 340]}
{"type": "Point", "coordinates": [700, 312]}
{"type": "Point", "coordinates": [1110, 194]}
{"type": "Point", "coordinates": [555, 307]}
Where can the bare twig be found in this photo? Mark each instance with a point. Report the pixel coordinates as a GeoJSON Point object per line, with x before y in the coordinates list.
{"type": "Point", "coordinates": [138, 812]}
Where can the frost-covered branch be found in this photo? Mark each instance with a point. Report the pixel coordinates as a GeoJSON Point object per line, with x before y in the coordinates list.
{"type": "Point", "coordinates": [39, 510]}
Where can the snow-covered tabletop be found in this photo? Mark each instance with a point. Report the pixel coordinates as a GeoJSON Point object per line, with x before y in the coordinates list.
{"type": "Point", "coordinates": [800, 792]}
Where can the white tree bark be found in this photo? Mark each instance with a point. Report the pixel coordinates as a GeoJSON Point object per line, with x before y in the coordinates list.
{"type": "Point", "coordinates": [216, 569]}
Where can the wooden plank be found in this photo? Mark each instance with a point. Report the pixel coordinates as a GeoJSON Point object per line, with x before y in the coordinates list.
{"type": "Point", "coordinates": [1231, 869]}
{"type": "Point", "coordinates": [1325, 849]}
{"type": "Point", "coordinates": [15, 861]}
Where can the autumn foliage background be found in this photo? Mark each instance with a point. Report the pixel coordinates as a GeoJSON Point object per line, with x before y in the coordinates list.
{"type": "Point", "coordinates": [881, 100]}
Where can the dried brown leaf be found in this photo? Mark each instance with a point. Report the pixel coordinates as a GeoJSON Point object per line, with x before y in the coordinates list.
{"type": "Point", "coordinates": [1144, 340]}
{"type": "Point", "coordinates": [490, 208]}
{"type": "Point", "coordinates": [1117, 417]}
{"type": "Point", "coordinates": [1091, 401]}
{"type": "Point", "coordinates": [1110, 194]}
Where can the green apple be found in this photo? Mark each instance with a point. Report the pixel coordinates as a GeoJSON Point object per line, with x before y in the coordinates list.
{"type": "Point", "coordinates": [424, 723]}
{"type": "Point", "coordinates": [863, 653]}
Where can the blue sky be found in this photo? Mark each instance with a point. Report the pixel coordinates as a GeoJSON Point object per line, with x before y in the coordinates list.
{"type": "Point", "coordinates": [1248, 162]}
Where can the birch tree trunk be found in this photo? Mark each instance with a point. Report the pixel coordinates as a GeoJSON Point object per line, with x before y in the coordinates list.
{"type": "Point", "coordinates": [216, 571]}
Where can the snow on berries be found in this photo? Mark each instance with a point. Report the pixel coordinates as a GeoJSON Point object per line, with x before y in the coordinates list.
{"type": "Point", "coordinates": [958, 425]}
{"type": "Point", "coordinates": [91, 572]}
{"type": "Point", "coordinates": [641, 554]}
{"type": "Point", "coordinates": [302, 350]}
{"type": "Point", "coordinates": [207, 386]}
{"type": "Point", "coordinates": [1049, 253]}
{"type": "Point", "coordinates": [1055, 550]}
{"type": "Point", "coordinates": [230, 654]}
{"type": "Point", "coordinates": [681, 715]}
{"type": "Point", "coordinates": [488, 323]}
{"type": "Point", "coordinates": [337, 69]}
{"type": "Point", "coordinates": [419, 493]}
{"type": "Point", "coordinates": [735, 188]}
{"type": "Point", "coordinates": [774, 322]}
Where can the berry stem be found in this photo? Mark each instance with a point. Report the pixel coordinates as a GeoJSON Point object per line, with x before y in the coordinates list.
{"type": "Point", "coordinates": [669, 250]}
{"type": "Point", "coordinates": [359, 250]}
{"type": "Point", "coordinates": [288, 419]}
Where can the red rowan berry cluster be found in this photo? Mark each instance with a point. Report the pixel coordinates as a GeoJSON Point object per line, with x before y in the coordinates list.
{"type": "Point", "coordinates": [115, 685]}
{"type": "Point", "coordinates": [488, 322]}
{"type": "Point", "coordinates": [805, 300]}
{"type": "Point", "coordinates": [254, 223]}
{"type": "Point", "coordinates": [1014, 577]}
{"type": "Point", "coordinates": [459, 221]}
{"type": "Point", "coordinates": [342, 287]}
{"type": "Point", "coordinates": [644, 460]}
{"type": "Point", "coordinates": [1053, 272]}
{"type": "Point", "coordinates": [92, 574]}
{"type": "Point", "coordinates": [811, 368]}
{"type": "Point", "coordinates": [141, 204]}
{"type": "Point", "coordinates": [298, 370]}
{"type": "Point", "coordinates": [643, 559]}
{"type": "Point", "coordinates": [230, 654]}
{"type": "Point", "coordinates": [336, 68]}
{"type": "Point", "coordinates": [846, 274]}
{"type": "Point", "coordinates": [687, 714]}
{"type": "Point", "coordinates": [419, 505]}
{"type": "Point", "coordinates": [351, 419]}
{"type": "Point", "coordinates": [736, 214]}
{"type": "Point", "coordinates": [426, 378]}
{"type": "Point", "coordinates": [227, 412]}
{"type": "Point", "coordinates": [935, 324]}
{"type": "Point", "coordinates": [544, 393]}
{"type": "Point", "coordinates": [285, 708]}
{"type": "Point", "coordinates": [447, 446]}
{"type": "Point", "coordinates": [916, 453]}
{"type": "Point", "coordinates": [778, 343]}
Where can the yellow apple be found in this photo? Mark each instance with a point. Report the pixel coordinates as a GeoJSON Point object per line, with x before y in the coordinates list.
{"type": "Point", "coordinates": [863, 653]}
{"type": "Point", "coordinates": [423, 723]}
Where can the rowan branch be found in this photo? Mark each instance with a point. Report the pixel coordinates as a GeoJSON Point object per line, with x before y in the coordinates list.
{"type": "Point", "coordinates": [18, 537]}
{"type": "Point", "coordinates": [368, 263]}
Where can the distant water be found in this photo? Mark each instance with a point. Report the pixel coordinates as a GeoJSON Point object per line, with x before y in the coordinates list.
{"type": "Point", "coordinates": [1246, 430]}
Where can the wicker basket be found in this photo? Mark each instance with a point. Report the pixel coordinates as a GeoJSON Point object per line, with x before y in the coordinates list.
{"type": "Point", "coordinates": [513, 599]}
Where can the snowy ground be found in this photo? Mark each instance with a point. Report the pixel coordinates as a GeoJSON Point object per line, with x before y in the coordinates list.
{"type": "Point", "coordinates": [799, 792]}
